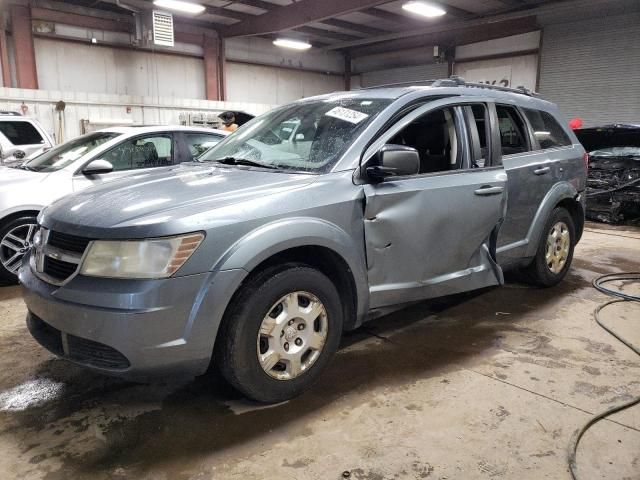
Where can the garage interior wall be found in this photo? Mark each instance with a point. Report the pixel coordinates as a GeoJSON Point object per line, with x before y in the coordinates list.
{"type": "Point", "coordinates": [404, 74]}
{"type": "Point", "coordinates": [123, 71]}
{"type": "Point", "coordinates": [75, 67]}
{"type": "Point", "coordinates": [591, 68]}
{"type": "Point", "coordinates": [264, 84]}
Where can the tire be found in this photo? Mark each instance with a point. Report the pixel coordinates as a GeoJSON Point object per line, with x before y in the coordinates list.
{"type": "Point", "coordinates": [246, 332]}
{"type": "Point", "coordinates": [16, 236]}
{"type": "Point", "coordinates": [547, 273]}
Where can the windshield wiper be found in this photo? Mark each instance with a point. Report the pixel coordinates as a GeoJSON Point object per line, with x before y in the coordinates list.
{"type": "Point", "coordinates": [244, 161]}
{"type": "Point", "coordinates": [23, 167]}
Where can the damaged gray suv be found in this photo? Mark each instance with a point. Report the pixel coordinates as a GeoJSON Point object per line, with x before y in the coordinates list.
{"type": "Point", "coordinates": [305, 223]}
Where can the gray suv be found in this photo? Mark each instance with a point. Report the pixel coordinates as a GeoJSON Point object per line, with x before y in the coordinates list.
{"type": "Point", "coordinates": [257, 257]}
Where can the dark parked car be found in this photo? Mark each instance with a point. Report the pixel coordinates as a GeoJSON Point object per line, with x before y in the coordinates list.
{"type": "Point", "coordinates": [613, 185]}
{"type": "Point", "coordinates": [257, 260]}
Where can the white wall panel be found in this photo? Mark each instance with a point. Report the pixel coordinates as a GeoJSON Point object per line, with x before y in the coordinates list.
{"type": "Point", "coordinates": [515, 71]}
{"type": "Point", "coordinates": [92, 68]}
{"type": "Point", "coordinates": [276, 85]}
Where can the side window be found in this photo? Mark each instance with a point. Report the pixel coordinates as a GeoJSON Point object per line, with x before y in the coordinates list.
{"type": "Point", "coordinates": [512, 130]}
{"type": "Point", "coordinates": [546, 129]}
{"type": "Point", "coordinates": [477, 117]}
{"type": "Point", "coordinates": [435, 137]}
{"type": "Point", "coordinates": [142, 152]}
{"type": "Point", "coordinates": [199, 143]}
{"type": "Point", "coordinates": [20, 133]}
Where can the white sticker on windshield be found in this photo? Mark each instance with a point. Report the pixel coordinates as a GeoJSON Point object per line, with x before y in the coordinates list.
{"type": "Point", "coordinates": [346, 114]}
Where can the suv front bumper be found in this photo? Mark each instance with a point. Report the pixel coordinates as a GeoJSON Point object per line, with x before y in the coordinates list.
{"type": "Point", "coordinates": [136, 329]}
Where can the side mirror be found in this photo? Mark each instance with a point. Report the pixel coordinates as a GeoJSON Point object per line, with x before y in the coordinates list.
{"type": "Point", "coordinates": [97, 166]}
{"type": "Point", "coordinates": [393, 160]}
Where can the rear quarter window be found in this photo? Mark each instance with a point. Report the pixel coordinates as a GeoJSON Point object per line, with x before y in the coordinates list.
{"type": "Point", "coordinates": [20, 133]}
{"type": "Point", "coordinates": [546, 129]}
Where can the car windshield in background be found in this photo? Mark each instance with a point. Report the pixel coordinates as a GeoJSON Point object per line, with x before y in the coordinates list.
{"type": "Point", "coordinates": [616, 152]}
{"type": "Point", "coordinates": [307, 136]}
{"type": "Point", "coordinates": [62, 155]}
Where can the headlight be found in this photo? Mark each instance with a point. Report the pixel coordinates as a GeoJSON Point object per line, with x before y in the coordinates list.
{"type": "Point", "coordinates": [154, 258]}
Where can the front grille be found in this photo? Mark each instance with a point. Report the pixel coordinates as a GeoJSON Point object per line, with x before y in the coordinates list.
{"type": "Point", "coordinates": [71, 243]}
{"type": "Point", "coordinates": [80, 350]}
{"type": "Point", "coordinates": [58, 269]}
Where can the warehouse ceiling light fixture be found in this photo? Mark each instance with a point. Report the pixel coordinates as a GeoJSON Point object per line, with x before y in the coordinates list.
{"type": "Point", "coordinates": [290, 43]}
{"type": "Point", "coordinates": [423, 9]}
{"type": "Point", "coordinates": [180, 6]}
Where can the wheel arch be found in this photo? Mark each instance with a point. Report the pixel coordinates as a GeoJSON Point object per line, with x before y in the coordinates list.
{"type": "Point", "coordinates": [10, 215]}
{"type": "Point", "coordinates": [564, 195]}
{"type": "Point", "coordinates": [317, 243]}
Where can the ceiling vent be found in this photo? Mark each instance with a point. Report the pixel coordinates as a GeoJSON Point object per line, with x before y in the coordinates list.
{"type": "Point", "coordinates": [162, 28]}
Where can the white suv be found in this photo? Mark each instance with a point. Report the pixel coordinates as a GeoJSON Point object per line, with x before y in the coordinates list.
{"type": "Point", "coordinates": [21, 138]}
{"type": "Point", "coordinates": [80, 163]}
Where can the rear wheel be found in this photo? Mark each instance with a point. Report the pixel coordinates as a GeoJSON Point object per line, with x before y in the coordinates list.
{"type": "Point", "coordinates": [555, 252]}
{"type": "Point", "coordinates": [280, 332]}
{"type": "Point", "coordinates": [16, 237]}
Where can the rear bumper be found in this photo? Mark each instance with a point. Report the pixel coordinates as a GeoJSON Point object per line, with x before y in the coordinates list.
{"type": "Point", "coordinates": [136, 329]}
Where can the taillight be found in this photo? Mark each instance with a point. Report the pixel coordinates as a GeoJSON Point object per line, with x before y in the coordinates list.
{"type": "Point", "coordinates": [585, 159]}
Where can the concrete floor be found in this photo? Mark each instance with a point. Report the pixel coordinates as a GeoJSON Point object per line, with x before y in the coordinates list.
{"type": "Point", "coordinates": [488, 386]}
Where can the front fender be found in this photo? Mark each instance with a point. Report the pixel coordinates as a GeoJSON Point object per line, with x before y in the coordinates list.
{"type": "Point", "coordinates": [278, 236]}
{"type": "Point", "coordinates": [560, 191]}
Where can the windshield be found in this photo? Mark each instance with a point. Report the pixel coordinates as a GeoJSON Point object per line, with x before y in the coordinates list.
{"type": "Point", "coordinates": [307, 136]}
{"type": "Point", "coordinates": [62, 155]}
{"type": "Point", "coordinates": [616, 152]}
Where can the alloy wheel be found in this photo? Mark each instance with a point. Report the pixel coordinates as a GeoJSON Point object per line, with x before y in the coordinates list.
{"type": "Point", "coordinates": [15, 244]}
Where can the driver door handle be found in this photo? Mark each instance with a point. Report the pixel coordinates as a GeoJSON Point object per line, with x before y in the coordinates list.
{"type": "Point", "coordinates": [489, 190]}
{"type": "Point", "coordinates": [542, 171]}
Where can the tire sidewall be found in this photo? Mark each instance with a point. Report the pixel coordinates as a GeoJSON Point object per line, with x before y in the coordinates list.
{"type": "Point", "coordinates": [6, 275]}
{"type": "Point", "coordinates": [242, 368]}
{"type": "Point", "coordinates": [545, 276]}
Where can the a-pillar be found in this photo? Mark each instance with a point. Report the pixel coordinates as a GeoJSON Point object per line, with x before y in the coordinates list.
{"type": "Point", "coordinates": [26, 72]}
{"type": "Point", "coordinates": [214, 66]}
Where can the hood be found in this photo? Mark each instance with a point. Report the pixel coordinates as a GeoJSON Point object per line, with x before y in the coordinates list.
{"type": "Point", "coordinates": [164, 202]}
{"type": "Point", "coordinates": [13, 177]}
{"type": "Point", "coordinates": [618, 135]}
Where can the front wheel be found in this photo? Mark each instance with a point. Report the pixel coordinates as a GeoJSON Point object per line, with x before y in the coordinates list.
{"type": "Point", "coordinates": [555, 251]}
{"type": "Point", "coordinates": [16, 237]}
{"type": "Point", "coordinates": [279, 333]}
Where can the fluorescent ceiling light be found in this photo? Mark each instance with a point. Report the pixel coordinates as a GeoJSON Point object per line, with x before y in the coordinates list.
{"type": "Point", "coordinates": [180, 6]}
{"type": "Point", "coordinates": [424, 9]}
{"type": "Point", "coordinates": [288, 43]}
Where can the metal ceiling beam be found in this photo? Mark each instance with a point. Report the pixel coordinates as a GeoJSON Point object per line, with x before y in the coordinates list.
{"type": "Point", "coordinates": [388, 16]}
{"type": "Point", "coordinates": [457, 35]}
{"type": "Point", "coordinates": [354, 27]}
{"type": "Point", "coordinates": [296, 15]}
{"type": "Point", "coordinates": [257, 4]}
{"type": "Point", "coordinates": [225, 12]}
{"type": "Point", "coordinates": [561, 7]}
{"type": "Point", "coordinates": [318, 32]}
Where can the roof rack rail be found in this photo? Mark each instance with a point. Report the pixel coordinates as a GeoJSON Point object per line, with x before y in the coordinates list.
{"type": "Point", "coordinates": [456, 81]}
{"type": "Point", "coordinates": [11, 113]}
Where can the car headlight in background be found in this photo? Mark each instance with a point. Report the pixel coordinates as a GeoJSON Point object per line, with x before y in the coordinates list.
{"type": "Point", "coordinates": [153, 258]}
